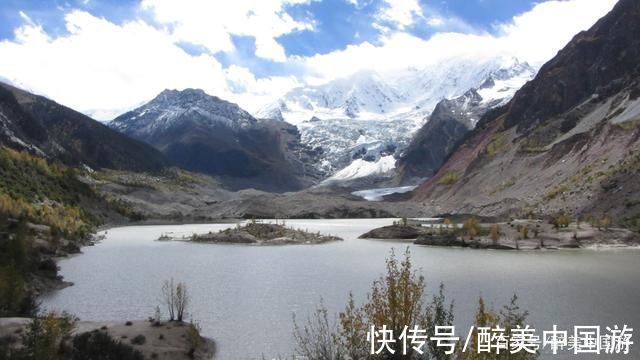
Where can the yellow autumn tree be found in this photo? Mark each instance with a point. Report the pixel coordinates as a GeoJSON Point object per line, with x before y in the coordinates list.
{"type": "Point", "coordinates": [494, 233]}
{"type": "Point", "coordinates": [471, 228]}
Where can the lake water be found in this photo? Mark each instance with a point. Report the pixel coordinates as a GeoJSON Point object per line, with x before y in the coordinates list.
{"type": "Point", "coordinates": [244, 296]}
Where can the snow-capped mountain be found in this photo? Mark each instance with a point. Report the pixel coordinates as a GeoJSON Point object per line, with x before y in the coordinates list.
{"type": "Point", "coordinates": [171, 107]}
{"type": "Point", "coordinates": [358, 121]}
{"type": "Point", "coordinates": [204, 133]}
{"type": "Point", "coordinates": [364, 95]}
{"type": "Point", "coordinates": [500, 86]}
{"type": "Point", "coordinates": [408, 94]}
{"type": "Point", "coordinates": [449, 122]}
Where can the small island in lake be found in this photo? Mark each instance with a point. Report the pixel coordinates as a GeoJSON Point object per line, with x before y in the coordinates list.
{"type": "Point", "coordinates": [528, 234]}
{"type": "Point", "coordinates": [255, 233]}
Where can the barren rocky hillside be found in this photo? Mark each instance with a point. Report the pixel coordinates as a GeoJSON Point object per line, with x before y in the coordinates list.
{"type": "Point", "coordinates": [568, 140]}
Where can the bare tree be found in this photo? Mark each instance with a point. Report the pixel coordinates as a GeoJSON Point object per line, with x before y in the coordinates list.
{"type": "Point", "coordinates": [176, 298]}
{"type": "Point", "coordinates": [169, 297]}
{"type": "Point", "coordinates": [315, 339]}
{"type": "Point", "coordinates": [181, 300]}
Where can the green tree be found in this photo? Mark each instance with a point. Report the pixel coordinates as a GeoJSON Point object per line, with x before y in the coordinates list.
{"type": "Point", "coordinates": [12, 292]}
{"type": "Point", "coordinates": [512, 317]}
{"type": "Point", "coordinates": [98, 345]}
{"type": "Point", "coordinates": [44, 335]}
{"type": "Point", "coordinates": [194, 338]}
{"type": "Point", "coordinates": [438, 314]}
{"type": "Point", "coordinates": [352, 334]}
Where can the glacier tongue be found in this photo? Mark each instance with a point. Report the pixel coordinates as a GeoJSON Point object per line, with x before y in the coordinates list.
{"type": "Point", "coordinates": [361, 168]}
{"type": "Point", "coordinates": [379, 194]}
{"type": "Point", "coordinates": [342, 141]}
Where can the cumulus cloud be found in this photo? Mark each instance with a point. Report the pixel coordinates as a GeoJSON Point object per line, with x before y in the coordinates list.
{"type": "Point", "coordinates": [104, 68]}
{"type": "Point", "coordinates": [251, 91]}
{"type": "Point", "coordinates": [395, 52]}
{"type": "Point", "coordinates": [211, 24]}
{"type": "Point", "coordinates": [399, 13]}
{"type": "Point", "coordinates": [538, 34]}
{"type": "Point", "coordinates": [534, 36]}
{"type": "Point", "coordinates": [100, 66]}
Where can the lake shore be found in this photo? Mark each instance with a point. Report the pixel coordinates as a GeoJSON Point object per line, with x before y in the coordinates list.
{"type": "Point", "coordinates": [513, 235]}
{"type": "Point", "coordinates": [165, 340]}
{"type": "Point", "coordinates": [275, 281]}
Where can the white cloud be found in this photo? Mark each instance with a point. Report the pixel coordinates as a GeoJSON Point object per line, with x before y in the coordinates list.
{"type": "Point", "coordinates": [26, 18]}
{"type": "Point", "coordinates": [395, 52]}
{"type": "Point", "coordinates": [211, 24]}
{"type": "Point", "coordinates": [359, 4]}
{"type": "Point", "coordinates": [251, 91]}
{"type": "Point", "coordinates": [435, 21]}
{"type": "Point", "coordinates": [102, 68]}
{"type": "Point", "coordinates": [534, 36]}
{"type": "Point", "coordinates": [400, 13]}
{"type": "Point", "coordinates": [538, 34]}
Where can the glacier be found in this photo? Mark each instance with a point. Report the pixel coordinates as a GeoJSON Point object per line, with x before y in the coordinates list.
{"type": "Point", "coordinates": [361, 168]}
{"type": "Point", "coordinates": [369, 115]}
{"type": "Point", "coordinates": [379, 194]}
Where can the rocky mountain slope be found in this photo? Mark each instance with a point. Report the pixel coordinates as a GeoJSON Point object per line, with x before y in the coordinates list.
{"type": "Point", "coordinates": [49, 129]}
{"type": "Point", "coordinates": [206, 134]}
{"type": "Point", "coordinates": [448, 124]}
{"type": "Point", "coordinates": [360, 125]}
{"type": "Point", "coordinates": [568, 140]}
{"type": "Point", "coordinates": [452, 119]}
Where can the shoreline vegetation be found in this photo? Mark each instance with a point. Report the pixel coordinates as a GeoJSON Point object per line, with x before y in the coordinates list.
{"type": "Point", "coordinates": [169, 339]}
{"type": "Point", "coordinates": [259, 234]}
{"type": "Point", "coordinates": [398, 298]}
{"type": "Point", "coordinates": [50, 210]}
{"type": "Point", "coordinates": [516, 234]}
{"type": "Point", "coordinates": [123, 340]}
{"type": "Point", "coordinates": [53, 335]}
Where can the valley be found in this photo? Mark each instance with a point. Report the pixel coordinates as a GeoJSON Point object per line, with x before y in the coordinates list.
{"type": "Point", "coordinates": [488, 173]}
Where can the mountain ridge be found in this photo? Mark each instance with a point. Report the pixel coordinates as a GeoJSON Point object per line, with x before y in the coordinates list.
{"type": "Point", "coordinates": [358, 144]}
{"type": "Point", "coordinates": [568, 140]}
{"type": "Point", "coordinates": [408, 94]}
{"type": "Point", "coordinates": [206, 134]}
{"type": "Point", "coordinates": [46, 128]}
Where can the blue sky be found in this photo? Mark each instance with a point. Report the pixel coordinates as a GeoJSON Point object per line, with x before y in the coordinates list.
{"type": "Point", "coordinates": [337, 23]}
{"type": "Point", "coordinates": [252, 51]}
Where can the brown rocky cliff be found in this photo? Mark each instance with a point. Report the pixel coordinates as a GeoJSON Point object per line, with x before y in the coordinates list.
{"type": "Point", "coordinates": [602, 60]}
{"type": "Point", "coordinates": [564, 136]}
